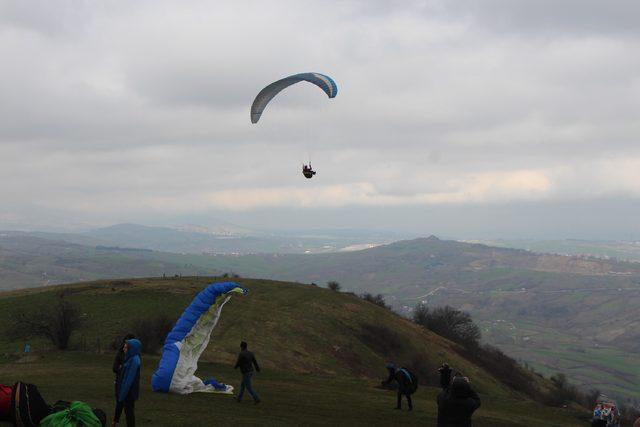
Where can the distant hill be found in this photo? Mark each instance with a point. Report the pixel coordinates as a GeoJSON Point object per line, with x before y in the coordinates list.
{"type": "Point", "coordinates": [624, 251]}
{"type": "Point", "coordinates": [322, 352]}
{"type": "Point", "coordinates": [222, 239]}
{"type": "Point", "coordinates": [27, 261]}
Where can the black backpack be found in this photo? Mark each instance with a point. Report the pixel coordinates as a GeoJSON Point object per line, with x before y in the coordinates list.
{"type": "Point", "coordinates": [28, 407]}
{"type": "Point", "coordinates": [407, 380]}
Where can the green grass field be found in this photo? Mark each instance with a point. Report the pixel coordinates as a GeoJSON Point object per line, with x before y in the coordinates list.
{"type": "Point", "coordinates": [322, 354]}
{"type": "Point", "coordinates": [289, 398]}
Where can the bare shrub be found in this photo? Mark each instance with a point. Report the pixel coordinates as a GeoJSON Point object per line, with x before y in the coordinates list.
{"type": "Point", "coordinates": [56, 322]}
{"type": "Point", "coordinates": [450, 323]}
{"type": "Point", "coordinates": [505, 369]}
{"type": "Point", "coordinates": [375, 299]}
{"type": "Point", "coordinates": [151, 331]}
{"type": "Point", "coordinates": [424, 370]}
{"type": "Point", "coordinates": [382, 340]}
{"type": "Point", "coordinates": [334, 286]}
{"type": "Point", "coordinates": [421, 315]}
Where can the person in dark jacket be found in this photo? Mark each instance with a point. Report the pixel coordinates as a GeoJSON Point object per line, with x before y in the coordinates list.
{"type": "Point", "coordinates": [456, 403]}
{"type": "Point", "coordinates": [128, 383]}
{"type": "Point", "coordinates": [390, 382]}
{"type": "Point", "coordinates": [119, 360]}
{"type": "Point", "coordinates": [445, 375]}
{"type": "Point", "coordinates": [246, 362]}
{"type": "Point", "coordinates": [407, 385]}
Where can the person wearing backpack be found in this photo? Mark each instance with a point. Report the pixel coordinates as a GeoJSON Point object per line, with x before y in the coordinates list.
{"type": "Point", "coordinates": [407, 385]}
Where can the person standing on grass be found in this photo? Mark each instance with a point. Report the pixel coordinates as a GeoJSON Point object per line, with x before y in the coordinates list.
{"type": "Point", "coordinates": [119, 360]}
{"type": "Point", "coordinates": [246, 362]}
{"type": "Point", "coordinates": [128, 383]}
{"type": "Point", "coordinates": [457, 402]}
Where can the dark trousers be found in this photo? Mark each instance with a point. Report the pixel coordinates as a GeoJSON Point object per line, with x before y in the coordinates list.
{"type": "Point", "coordinates": [128, 406]}
{"type": "Point", "coordinates": [246, 383]}
{"type": "Point", "coordinates": [399, 405]}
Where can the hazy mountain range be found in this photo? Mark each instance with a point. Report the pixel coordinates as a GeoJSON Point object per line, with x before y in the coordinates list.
{"type": "Point", "coordinates": [222, 239]}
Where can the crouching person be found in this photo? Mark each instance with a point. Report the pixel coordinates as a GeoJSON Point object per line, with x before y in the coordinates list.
{"type": "Point", "coordinates": [128, 383]}
{"type": "Point", "coordinates": [407, 385]}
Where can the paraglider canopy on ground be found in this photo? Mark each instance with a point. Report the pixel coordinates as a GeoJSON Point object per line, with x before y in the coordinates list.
{"type": "Point", "coordinates": [187, 341]}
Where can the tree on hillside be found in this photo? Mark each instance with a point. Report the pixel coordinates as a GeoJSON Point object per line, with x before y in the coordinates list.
{"type": "Point", "coordinates": [334, 286]}
{"type": "Point", "coordinates": [151, 330]}
{"type": "Point", "coordinates": [55, 322]}
{"type": "Point", "coordinates": [450, 323]}
{"type": "Point", "coordinates": [375, 299]}
{"type": "Point", "coordinates": [421, 315]}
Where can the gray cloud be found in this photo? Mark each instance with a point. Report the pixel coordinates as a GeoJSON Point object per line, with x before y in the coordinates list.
{"type": "Point", "coordinates": [140, 110]}
{"type": "Point", "coordinates": [553, 18]}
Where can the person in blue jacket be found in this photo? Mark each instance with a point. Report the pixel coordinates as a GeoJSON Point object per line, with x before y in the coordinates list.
{"type": "Point", "coordinates": [128, 383]}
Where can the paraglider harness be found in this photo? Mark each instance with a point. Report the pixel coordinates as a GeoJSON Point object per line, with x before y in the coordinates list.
{"type": "Point", "coordinates": [28, 407]}
{"type": "Point", "coordinates": [307, 171]}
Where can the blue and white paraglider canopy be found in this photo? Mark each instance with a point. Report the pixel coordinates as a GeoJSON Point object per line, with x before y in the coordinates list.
{"type": "Point", "coordinates": [187, 341]}
{"type": "Point", "coordinates": [324, 82]}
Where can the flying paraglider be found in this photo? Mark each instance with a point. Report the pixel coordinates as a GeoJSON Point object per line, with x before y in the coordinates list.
{"type": "Point", "coordinates": [265, 96]}
{"type": "Point", "coordinates": [324, 82]}
{"type": "Point", "coordinates": [188, 339]}
{"type": "Point", "coordinates": [307, 171]}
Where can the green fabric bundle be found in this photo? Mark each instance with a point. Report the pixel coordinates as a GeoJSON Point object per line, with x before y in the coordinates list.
{"type": "Point", "coordinates": [78, 414]}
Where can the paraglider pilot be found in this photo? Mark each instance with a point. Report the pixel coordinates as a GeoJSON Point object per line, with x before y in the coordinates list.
{"type": "Point", "coordinates": [246, 362]}
{"type": "Point", "coordinates": [307, 171]}
{"type": "Point", "coordinates": [407, 385]}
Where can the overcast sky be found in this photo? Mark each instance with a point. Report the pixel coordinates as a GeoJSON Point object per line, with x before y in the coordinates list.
{"type": "Point", "coordinates": [494, 118]}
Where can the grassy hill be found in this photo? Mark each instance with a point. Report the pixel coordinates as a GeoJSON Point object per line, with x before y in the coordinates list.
{"type": "Point", "coordinates": [323, 352]}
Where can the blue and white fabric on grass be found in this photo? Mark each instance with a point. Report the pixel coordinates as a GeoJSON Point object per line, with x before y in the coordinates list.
{"type": "Point", "coordinates": [187, 341]}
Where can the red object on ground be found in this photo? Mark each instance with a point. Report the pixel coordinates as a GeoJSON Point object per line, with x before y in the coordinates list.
{"type": "Point", "coordinates": [5, 403]}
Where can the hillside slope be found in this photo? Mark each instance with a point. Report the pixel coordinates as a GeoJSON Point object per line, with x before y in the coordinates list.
{"type": "Point", "coordinates": [327, 348]}
{"type": "Point", "coordinates": [563, 314]}
{"type": "Point", "coordinates": [300, 327]}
